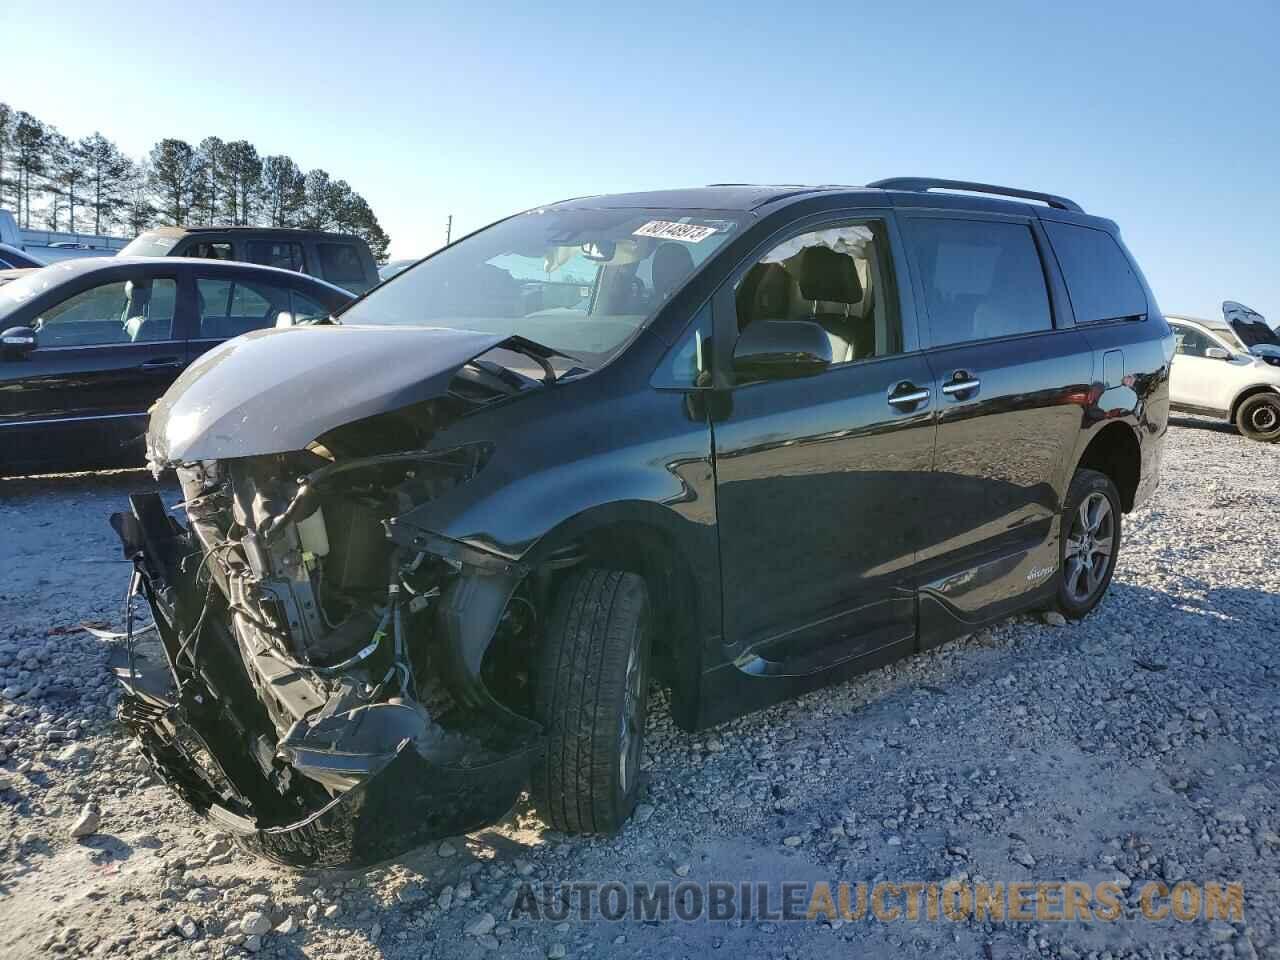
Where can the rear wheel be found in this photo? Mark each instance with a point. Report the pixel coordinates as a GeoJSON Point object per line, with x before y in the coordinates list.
{"type": "Point", "coordinates": [1259, 417]}
{"type": "Point", "coordinates": [1090, 542]}
{"type": "Point", "coordinates": [593, 681]}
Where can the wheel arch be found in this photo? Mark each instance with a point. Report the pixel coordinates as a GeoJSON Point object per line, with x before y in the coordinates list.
{"type": "Point", "coordinates": [1115, 451]}
{"type": "Point", "coordinates": [680, 569]}
{"type": "Point", "coordinates": [1248, 392]}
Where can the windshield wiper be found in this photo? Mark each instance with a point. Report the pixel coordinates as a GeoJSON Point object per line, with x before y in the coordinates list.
{"type": "Point", "coordinates": [539, 353]}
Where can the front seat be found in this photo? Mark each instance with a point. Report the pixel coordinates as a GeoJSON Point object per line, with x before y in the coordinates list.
{"type": "Point", "coordinates": [135, 310]}
{"type": "Point", "coordinates": [826, 277]}
{"type": "Point", "coordinates": [672, 264]}
{"type": "Point", "coordinates": [764, 294]}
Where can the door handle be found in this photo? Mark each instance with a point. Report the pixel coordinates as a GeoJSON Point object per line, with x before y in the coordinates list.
{"type": "Point", "coordinates": [906, 395]}
{"type": "Point", "coordinates": [165, 363]}
{"type": "Point", "coordinates": [960, 384]}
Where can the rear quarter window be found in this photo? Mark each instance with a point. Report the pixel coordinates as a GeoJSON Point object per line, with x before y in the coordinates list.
{"type": "Point", "coordinates": [340, 263]}
{"type": "Point", "coordinates": [1100, 279]}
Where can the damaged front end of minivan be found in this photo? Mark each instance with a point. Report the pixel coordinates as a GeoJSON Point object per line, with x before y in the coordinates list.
{"type": "Point", "coordinates": [313, 684]}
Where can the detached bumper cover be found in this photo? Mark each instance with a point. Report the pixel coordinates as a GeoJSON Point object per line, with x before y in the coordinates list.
{"type": "Point", "coordinates": [410, 802]}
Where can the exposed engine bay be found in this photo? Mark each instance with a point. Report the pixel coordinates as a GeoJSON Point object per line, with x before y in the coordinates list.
{"type": "Point", "coordinates": [314, 682]}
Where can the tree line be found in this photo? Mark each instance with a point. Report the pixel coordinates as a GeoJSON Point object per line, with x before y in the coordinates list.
{"type": "Point", "coordinates": [90, 186]}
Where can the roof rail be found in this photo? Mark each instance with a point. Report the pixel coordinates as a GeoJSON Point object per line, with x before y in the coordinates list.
{"type": "Point", "coordinates": [932, 183]}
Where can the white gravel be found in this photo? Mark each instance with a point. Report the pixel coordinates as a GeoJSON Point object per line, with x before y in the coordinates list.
{"type": "Point", "coordinates": [1137, 745]}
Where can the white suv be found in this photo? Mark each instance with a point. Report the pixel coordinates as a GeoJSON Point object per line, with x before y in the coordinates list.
{"type": "Point", "coordinates": [1215, 374]}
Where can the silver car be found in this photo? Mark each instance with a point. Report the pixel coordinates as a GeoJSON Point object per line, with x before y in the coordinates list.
{"type": "Point", "coordinates": [1216, 374]}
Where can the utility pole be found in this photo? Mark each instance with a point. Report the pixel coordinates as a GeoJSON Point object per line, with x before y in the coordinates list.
{"type": "Point", "coordinates": [448, 229]}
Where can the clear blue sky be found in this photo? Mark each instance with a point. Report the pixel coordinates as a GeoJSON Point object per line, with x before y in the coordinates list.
{"type": "Point", "coordinates": [1164, 116]}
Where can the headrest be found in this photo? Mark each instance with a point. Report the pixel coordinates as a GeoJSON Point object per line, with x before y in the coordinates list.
{"type": "Point", "coordinates": [765, 293]}
{"type": "Point", "coordinates": [826, 275]}
{"type": "Point", "coordinates": [672, 264]}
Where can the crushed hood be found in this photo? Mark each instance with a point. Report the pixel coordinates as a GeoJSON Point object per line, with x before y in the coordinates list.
{"type": "Point", "coordinates": [276, 390]}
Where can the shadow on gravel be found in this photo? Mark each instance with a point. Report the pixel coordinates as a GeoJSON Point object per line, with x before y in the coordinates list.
{"type": "Point", "coordinates": [44, 484]}
{"type": "Point", "coordinates": [1203, 423]}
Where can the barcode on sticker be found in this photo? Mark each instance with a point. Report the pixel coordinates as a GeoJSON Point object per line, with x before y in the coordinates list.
{"type": "Point", "coordinates": [669, 230]}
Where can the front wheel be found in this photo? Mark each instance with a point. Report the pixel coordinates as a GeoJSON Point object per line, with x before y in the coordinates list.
{"type": "Point", "coordinates": [1259, 417]}
{"type": "Point", "coordinates": [1090, 542]}
{"type": "Point", "coordinates": [593, 681]}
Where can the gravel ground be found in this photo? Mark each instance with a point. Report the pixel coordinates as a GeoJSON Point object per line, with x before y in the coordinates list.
{"type": "Point", "coordinates": [1137, 745]}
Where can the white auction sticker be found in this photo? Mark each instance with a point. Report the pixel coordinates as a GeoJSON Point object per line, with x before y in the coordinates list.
{"type": "Point", "coordinates": [669, 230]}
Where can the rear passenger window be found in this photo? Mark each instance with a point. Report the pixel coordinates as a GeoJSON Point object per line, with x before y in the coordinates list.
{"type": "Point", "coordinates": [209, 250]}
{"type": "Point", "coordinates": [229, 308]}
{"type": "Point", "coordinates": [1100, 279]}
{"type": "Point", "coordinates": [982, 279]}
{"type": "Point", "coordinates": [275, 253]}
{"type": "Point", "coordinates": [836, 277]}
{"type": "Point", "coordinates": [304, 308]}
{"type": "Point", "coordinates": [340, 264]}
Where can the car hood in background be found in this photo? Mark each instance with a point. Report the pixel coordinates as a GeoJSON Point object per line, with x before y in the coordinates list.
{"type": "Point", "coordinates": [1252, 328]}
{"type": "Point", "coordinates": [277, 390]}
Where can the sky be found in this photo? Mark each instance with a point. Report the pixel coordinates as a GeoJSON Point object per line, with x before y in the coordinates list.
{"type": "Point", "coordinates": [1162, 116]}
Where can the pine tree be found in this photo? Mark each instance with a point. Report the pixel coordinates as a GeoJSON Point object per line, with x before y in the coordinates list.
{"type": "Point", "coordinates": [30, 143]}
{"type": "Point", "coordinates": [283, 192]}
{"type": "Point", "coordinates": [175, 168]}
{"type": "Point", "coordinates": [108, 174]}
{"type": "Point", "coordinates": [205, 206]}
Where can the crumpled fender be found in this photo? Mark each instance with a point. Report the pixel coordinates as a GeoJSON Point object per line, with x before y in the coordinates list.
{"type": "Point", "coordinates": [277, 390]}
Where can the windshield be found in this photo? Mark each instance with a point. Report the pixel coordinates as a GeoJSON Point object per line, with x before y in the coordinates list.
{"type": "Point", "coordinates": [149, 245]}
{"type": "Point", "coordinates": [15, 294]}
{"type": "Point", "coordinates": [582, 282]}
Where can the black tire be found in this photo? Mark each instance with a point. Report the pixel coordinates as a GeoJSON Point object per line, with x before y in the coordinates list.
{"type": "Point", "coordinates": [1258, 418]}
{"type": "Point", "coordinates": [596, 648]}
{"type": "Point", "coordinates": [1081, 585]}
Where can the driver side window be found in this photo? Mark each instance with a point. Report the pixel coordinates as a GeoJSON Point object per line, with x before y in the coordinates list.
{"type": "Point", "coordinates": [837, 277]}
{"type": "Point", "coordinates": [124, 311]}
{"type": "Point", "coordinates": [1191, 343]}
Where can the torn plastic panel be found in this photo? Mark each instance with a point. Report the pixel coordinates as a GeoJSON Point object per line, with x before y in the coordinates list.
{"type": "Point", "coordinates": [314, 686]}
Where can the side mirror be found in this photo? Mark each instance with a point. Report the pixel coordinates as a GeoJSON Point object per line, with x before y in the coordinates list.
{"type": "Point", "coordinates": [1217, 353]}
{"type": "Point", "coordinates": [17, 342]}
{"type": "Point", "coordinates": [781, 348]}
{"type": "Point", "coordinates": [284, 319]}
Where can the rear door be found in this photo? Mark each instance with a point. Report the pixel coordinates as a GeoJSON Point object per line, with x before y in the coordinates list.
{"type": "Point", "coordinates": [107, 348]}
{"type": "Point", "coordinates": [1011, 384]}
{"type": "Point", "coordinates": [822, 480]}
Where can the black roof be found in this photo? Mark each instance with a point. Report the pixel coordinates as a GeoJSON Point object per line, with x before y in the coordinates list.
{"type": "Point", "coordinates": [78, 266]}
{"type": "Point", "coordinates": [901, 191]}
{"type": "Point", "coordinates": [277, 232]}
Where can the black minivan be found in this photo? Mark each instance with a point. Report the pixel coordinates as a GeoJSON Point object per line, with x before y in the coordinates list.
{"type": "Point", "coordinates": [746, 440]}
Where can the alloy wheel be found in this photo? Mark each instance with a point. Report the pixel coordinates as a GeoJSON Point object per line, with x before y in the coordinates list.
{"type": "Point", "coordinates": [630, 735]}
{"type": "Point", "coordinates": [1090, 547]}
